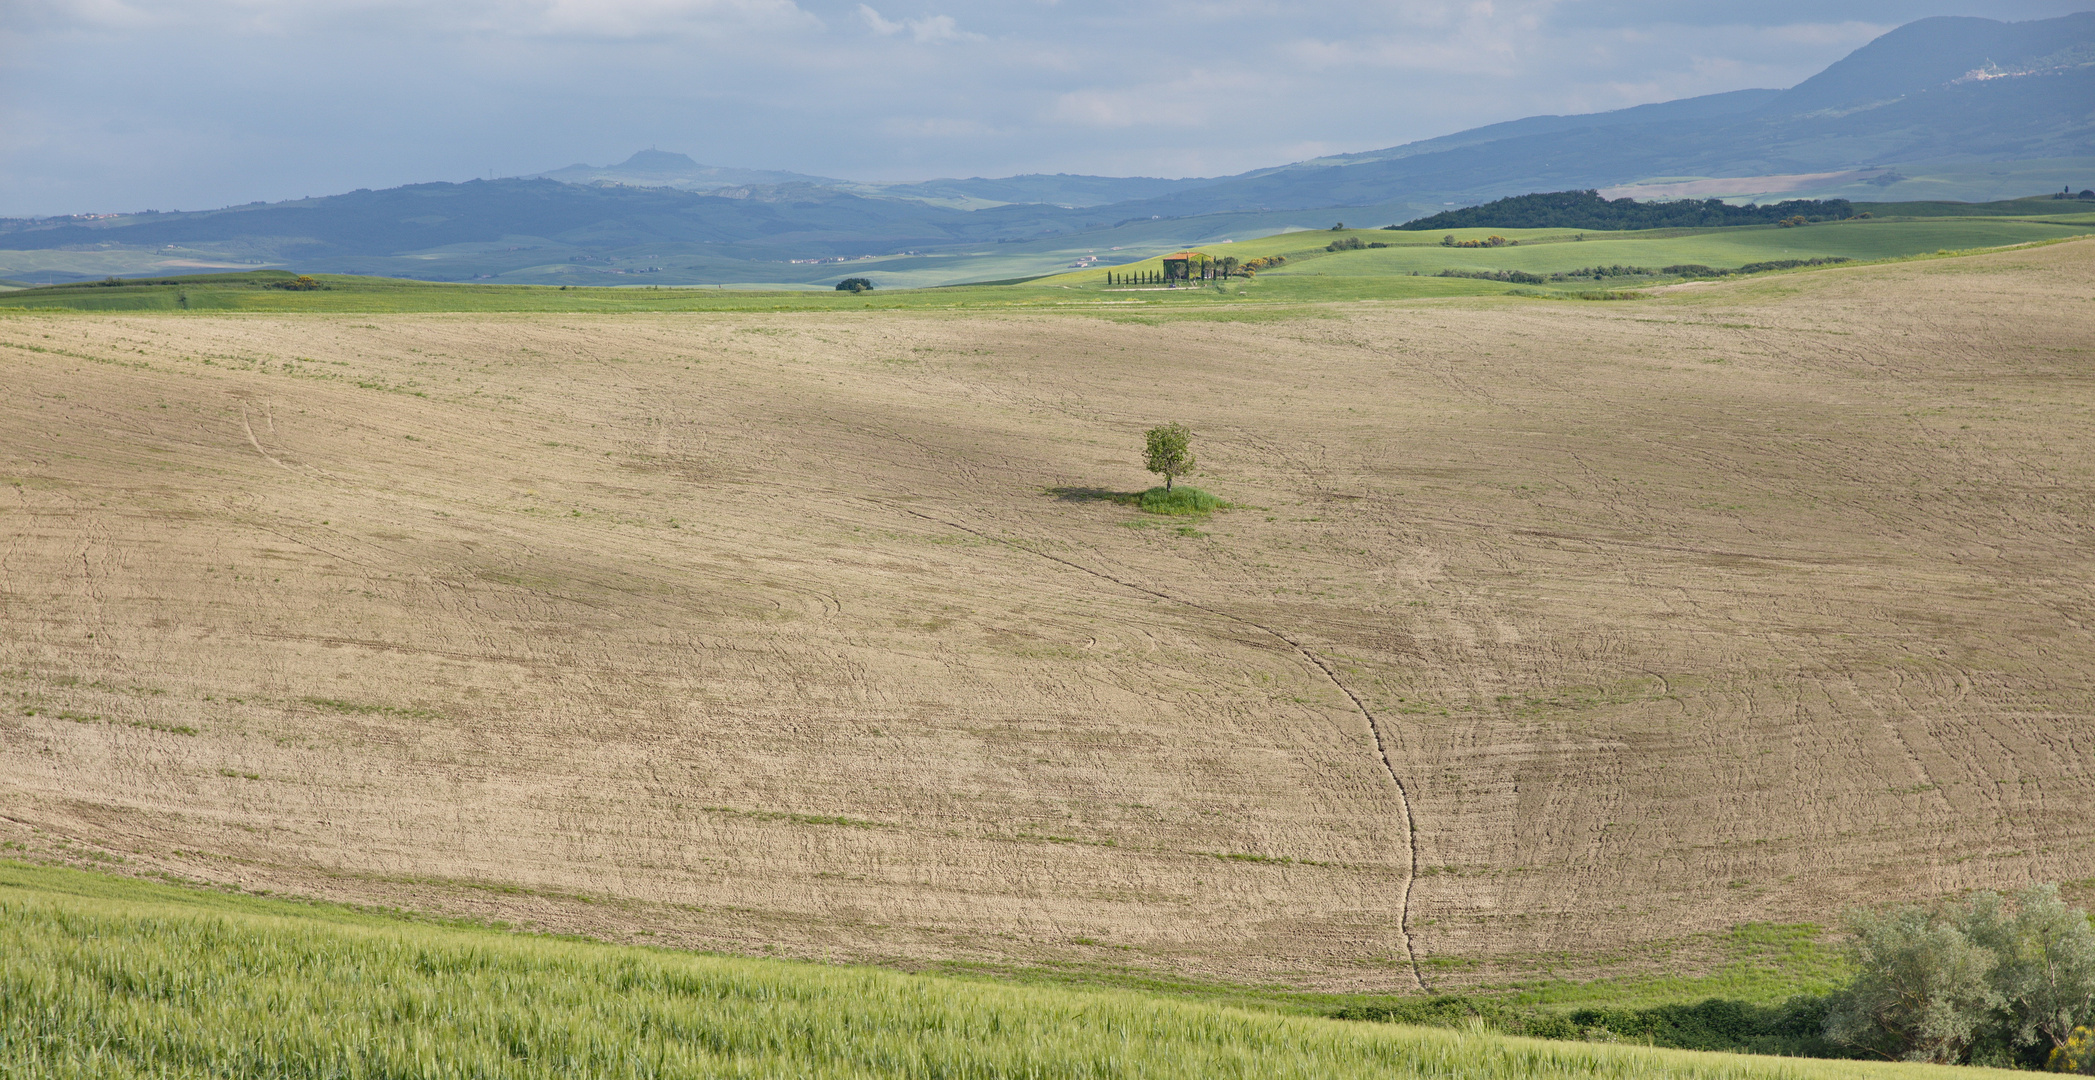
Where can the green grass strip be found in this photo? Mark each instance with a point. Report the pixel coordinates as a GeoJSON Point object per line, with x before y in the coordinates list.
{"type": "Point", "coordinates": [117, 979]}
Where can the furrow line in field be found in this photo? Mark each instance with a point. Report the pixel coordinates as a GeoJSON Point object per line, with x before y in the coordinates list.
{"type": "Point", "coordinates": [1382, 749]}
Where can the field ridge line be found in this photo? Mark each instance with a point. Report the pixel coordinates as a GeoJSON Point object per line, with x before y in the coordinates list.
{"type": "Point", "coordinates": [1382, 751]}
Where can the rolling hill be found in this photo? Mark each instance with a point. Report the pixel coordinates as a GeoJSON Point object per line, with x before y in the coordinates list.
{"type": "Point", "coordinates": [1935, 90]}
{"type": "Point", "coordinates": [1549, 639]}
{"type": "Point", "coordinates": [2006, 102]}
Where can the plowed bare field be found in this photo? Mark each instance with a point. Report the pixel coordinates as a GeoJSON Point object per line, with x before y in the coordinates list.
{"type": "Point", "coordinates": [1542, 629]}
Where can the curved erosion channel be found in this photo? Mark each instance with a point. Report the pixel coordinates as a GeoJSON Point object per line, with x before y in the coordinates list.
{"type": "Point", "coordinates": [1375, 727]}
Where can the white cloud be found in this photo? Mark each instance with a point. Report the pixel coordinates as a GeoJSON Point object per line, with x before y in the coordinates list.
{"type": "Point", "coordinates": [1137, 106]}
{"type": "Point", "coordinates": [939, 28]}
{"type": "Point", "coordinates": [293, 97]}
{"type": "Point", "coordinates": [931, 28]}
{"type": "Point", "coordinates": [878, 24]}
{"type": "Point", "coordinates": [580, 18]}
{"type": "Point", "coordinates": [637, 18]}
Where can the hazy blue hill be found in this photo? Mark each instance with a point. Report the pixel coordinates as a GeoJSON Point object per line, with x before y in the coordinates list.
{"type": "Point", "coordinates": [1698, 109]}
{"type": "Point", "coordinates": [1929, 53]}
{"type": "Point", "coordinates": [1896, 99]}
{"type": "Point", "coordinates": [792, 219]}
{"type": "Point", "coordinates": [1060, 189]}
{"type": "Point", "coordinates": [661, 168]}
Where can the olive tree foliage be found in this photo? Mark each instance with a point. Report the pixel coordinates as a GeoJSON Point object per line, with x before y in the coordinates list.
{"type": "Point", "coordinates": [1991, 981]}
{"type": "Point", "coordinates": [1168, 452]}
{"type": "Point", "coordinates": [1920, 993]}
{"type": "Point", "coordinates": [2045, 965]}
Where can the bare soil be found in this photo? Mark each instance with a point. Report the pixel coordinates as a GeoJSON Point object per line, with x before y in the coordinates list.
{"type": "Point", "coordinates": [1542, 630]}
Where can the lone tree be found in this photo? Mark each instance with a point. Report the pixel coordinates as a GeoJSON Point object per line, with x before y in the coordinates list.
{"type": "Point", "coordinates": [1169, 452]}
{"type": "Point", "coordinates": [855, 284]}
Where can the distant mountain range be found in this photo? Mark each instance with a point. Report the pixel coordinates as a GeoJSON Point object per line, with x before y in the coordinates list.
{"type": "Point", "coordinates": [1940, 93]}
{"type": "Point", "coordinates": [659, 168]}
{"type": "Point", "coordinates": [1936, 90]}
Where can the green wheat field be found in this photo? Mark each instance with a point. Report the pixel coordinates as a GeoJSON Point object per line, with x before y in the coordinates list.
{"type": "Point", "coordinates": [111, 978]}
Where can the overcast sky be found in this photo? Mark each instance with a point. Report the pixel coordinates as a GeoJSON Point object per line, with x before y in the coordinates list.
{"type": "Point", "coordinates": [109, 105]}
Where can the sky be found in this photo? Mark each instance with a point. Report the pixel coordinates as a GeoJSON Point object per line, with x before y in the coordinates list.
{"type": "Point", "coordinates": [125, 105]}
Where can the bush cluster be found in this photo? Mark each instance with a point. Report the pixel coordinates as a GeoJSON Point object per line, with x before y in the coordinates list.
{"type": "Point", "coordinates": [1352, 243]}
{"type": "Point", "coordinates": [1697, 270]}
{"type": "Point", "coordinates": [1521, 276]}
{"type": "Point", "coordinates": [1992, 981]}
{"type": "Point", "coordinates": [1488, 242]}
{"type": "Point", "coordinates": [2078, 1055]}
{"type": "Point", "coordinates": [1794, 1028]}
{"type": "Point", "coordinates": [1598, 272]}
{"type": "Point", "coordinates": [1987, 982]}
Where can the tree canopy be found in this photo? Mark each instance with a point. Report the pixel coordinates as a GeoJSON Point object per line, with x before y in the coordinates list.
{"type": "Point", "coordinates": [1587, 210]}
{"type": "Point", "coordinates": [1168, 452]}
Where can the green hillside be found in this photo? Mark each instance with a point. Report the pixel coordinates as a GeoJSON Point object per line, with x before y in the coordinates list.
{"type": "Point", "coordinates": [1387, 265]}
{"type": "Point", "coordinates": [113, 979]}
{"type": "Point", "coordinates": [1553, 251]}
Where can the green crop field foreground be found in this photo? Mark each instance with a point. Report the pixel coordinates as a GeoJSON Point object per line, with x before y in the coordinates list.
{"type": "Point", "coordinates": [1391, 265]}
{"type": "Point", "coordinates": [110, 979]}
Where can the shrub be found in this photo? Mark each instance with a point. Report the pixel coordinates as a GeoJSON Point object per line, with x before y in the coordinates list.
{"type": "Point", "coordinates": [1789, 264]}
{"type": "Point", "coordinates": [855, 285]}
{"type": "Point", "coordinates": [1611, 270]}
{"type": "Point", "coordinates": [2077, 1056]}
{"type": "Point", "coordinates": [1348, 243]}
{"type": "Point", "coordinates": [1699, 270]}
{"type": "Point", "coordinates": [1795, 1027]}
{"type": "Point", "coordinates": [1519, 276]}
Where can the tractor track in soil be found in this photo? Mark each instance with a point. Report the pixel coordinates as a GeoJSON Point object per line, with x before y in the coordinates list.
{"type": "Point", "coordinates": [1382, 743]}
